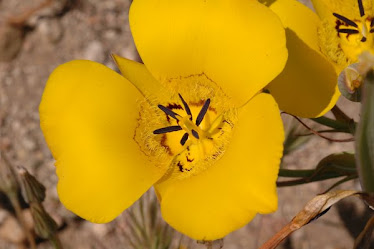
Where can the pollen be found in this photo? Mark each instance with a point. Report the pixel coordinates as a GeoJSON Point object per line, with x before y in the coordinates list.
{"type": "Point", "coordinates": [190, 130]}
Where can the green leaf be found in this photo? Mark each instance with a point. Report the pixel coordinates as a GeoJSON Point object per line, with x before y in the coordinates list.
{"type": "Point", "coordinates": [332, 166]}
{"type": "Point", "coordinates": [347, 127]}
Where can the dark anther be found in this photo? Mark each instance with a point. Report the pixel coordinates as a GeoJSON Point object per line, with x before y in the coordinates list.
{"type": "Point", "coordinates": [372, 31]}
{"type": "Point", "coordinates": [167, 129]}
{"type": "Point", "coordinates": [184, 138]}
{"type": "Point", "coordinates": [363, 39]}
{"type": "Point", "coordinates": [202, 113]}
{"type": "Point", "coordinates": [195, 134]}
{"type": "Point", "coordinates": [168, 112]}
{"type": "Point", "coordinates": [372, 23]}
{"type": "Point", "coordinates": [361, 7]}
{"type": "Point", "coordinates": [348, 31]}
{"type": "Point", "coordinates": [186, 107]}
{"type": "Point", "coordinates": [346, 20]}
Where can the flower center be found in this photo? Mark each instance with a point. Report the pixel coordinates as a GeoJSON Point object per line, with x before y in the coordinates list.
{"type": "Point", "coordinates": [345, 39]}
{"type": "Point", "coordinates": [191, 130]}
{"type": "Point", "coordinates": [355, 36]}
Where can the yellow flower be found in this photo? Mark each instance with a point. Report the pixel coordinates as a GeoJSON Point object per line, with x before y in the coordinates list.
{"type": "Point", "coordinates": [192, 122]}
{"type": "Point", "coordinates": [307, 87]}
{"type": "Point", "coordinates": [346, 29]}
{"type": "Point", "coordinates": [318, 46]}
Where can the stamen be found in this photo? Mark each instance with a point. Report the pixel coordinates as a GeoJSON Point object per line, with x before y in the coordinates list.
{"type": "Point", "coordinates": [361, 7]}
{"type": "Point", "coordinates": [346, 20]}
{"type": "Point", "coordinates": [167, 129]}
{"type": "Point", "coordinates": [186, 107]}
{"type": "Point", "coordinates": [195, 134]}
{"type": "Point", "coordinates": [372, 31]}
{"type": "Point", "coordinates": [363, 39]}
{"type": "Point", "coordinates": [184, 138]}
{"type": "Point", "coordinates": [372, 23]}
{"type": "Point", "coordinates": [168, 112]}
{"type": "Point", "coordinates": [348, 31]}
{"type": "Point", "coordinates": [202, 113]}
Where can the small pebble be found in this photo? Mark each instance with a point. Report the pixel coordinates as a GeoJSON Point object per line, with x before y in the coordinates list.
{"type": "Point", "coordinates": [94, 52]}
{"type": "Point", "coordinates": [11, 231]}
{"type": "Point", "coordinates": [51, 29]}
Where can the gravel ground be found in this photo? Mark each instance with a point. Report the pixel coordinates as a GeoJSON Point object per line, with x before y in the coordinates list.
{"type": "Point", "coordinates": [91, 29]}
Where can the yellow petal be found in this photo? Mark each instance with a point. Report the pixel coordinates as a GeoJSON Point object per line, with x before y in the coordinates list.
{"type": "Point", "coordinates": [322, 8]}
{"type": "Point", "coordinates": [88, 116]}
{"type": "Point", "coordinates": [307, 85]}
{"type": "Point", "coordinates": [142, 79]}
{"type": "Point", "coordinates": [239, 44]}
{"type": "Point", "coordinates": [227, 195]}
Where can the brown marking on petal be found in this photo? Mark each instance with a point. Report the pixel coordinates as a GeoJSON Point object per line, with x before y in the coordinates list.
{"type": "Point", "coordinates": [338, 24]}
{"type": "Point", "coordinates": [215, 155]}
{"type": "Point", "coordinates": [201, 103]}
{"type": "Point", "coordinates": [189, 159]}
{"type": "Point", "coordinates": [180, 166]}
{"type": "Point", "coordinates": [190, 76]}
{"type": "Point", "coordinates": [198, 104]}
{"type": "Point", "coordinates": [134, 136]}
{"type": "Point", "coordinates": [229, 123]}
{"type": "Point", "coordinates": [163, 144]}
{"type": "Point", "coordinates": [174, 106]}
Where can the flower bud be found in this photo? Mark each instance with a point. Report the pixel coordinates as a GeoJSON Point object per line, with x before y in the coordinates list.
{"type": "Point", "coordinates": [32, 189]}
{"type": "Point", "coordinates": [350, 82]}
{"type": "Point", "coordinates": [45, 226]}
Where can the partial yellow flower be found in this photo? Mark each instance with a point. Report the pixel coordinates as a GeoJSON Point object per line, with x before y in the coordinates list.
{"type": "Point", "coordinates": [346, 30]}
{"type": "Point", "coordinates": [307, 87]}
{"type": "Point", "coordinates": [191, 121]}
{"type": "Point", "coordinates": [318, 46]}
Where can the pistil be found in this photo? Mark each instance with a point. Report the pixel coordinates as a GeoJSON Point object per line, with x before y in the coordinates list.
{"type": "Point", "coordinates": [192, 129]}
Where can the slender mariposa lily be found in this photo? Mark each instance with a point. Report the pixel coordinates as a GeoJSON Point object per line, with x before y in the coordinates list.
{"type": "Point", "coordinates": [346, 30]}
{"type": "Point", "coordinates": [319, 47]}
{"type": "Point", "coordinates": [307, 87]}
{"type": "Point", "coordinates": [191, 121]}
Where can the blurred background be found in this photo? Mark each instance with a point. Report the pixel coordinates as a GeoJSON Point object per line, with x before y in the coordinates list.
{"type": "Point", "coordinates": [38, 35]}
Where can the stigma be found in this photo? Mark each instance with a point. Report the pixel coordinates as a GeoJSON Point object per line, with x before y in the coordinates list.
{"type": "Point", "coordinates": [192, 129]}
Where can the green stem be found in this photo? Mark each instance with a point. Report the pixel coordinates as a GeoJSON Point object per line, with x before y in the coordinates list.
{"type": "Point", "coordinates": [348, 127]}
{"type": "Point", "coordinates": [340, 115]}
{"type": "Point", "coordinates": [17, 208]}
{"type": "Point", "coordinates": [296, 173]}
{"type": "Point", "coordinates": [365, 136]}
{"type": "Point", "coordinates": [310, 176]}
{"type": "Point", "coordinates": [56, 242]}
{"type": "Point", "coordinates": [345, 179]}
{"type": "Point", "coordinates": [305, 181]}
